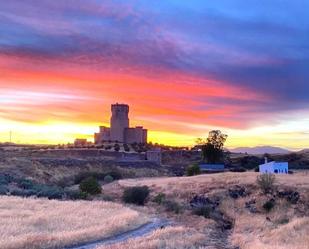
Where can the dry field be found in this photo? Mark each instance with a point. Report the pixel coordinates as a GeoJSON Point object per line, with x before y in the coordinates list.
{"type": "Point", "coordinates": [41, 223]}
{"type": "Point", "coordinates": [284, 227]}
{"type": "Point", "coordinates": [167, 238]}
{"type": "Point", "coordinates": [184, 187]}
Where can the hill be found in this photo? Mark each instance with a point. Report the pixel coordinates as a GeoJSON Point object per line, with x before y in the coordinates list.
{"type": "Point", "coordinates": [260, 150]}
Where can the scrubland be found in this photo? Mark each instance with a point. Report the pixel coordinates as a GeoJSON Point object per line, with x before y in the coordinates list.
{"type": "Point", "coordinates": [183, 187]}
{"type": "Point", "coordinates": [286, 226]}
{"type": "Point", "coordinates": [31, 223]}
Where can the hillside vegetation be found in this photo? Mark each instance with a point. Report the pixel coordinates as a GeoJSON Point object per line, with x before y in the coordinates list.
{"type": "Point", "coordinates": [31, 223]}
{"type": "Point", "coordinates": [235, 201]}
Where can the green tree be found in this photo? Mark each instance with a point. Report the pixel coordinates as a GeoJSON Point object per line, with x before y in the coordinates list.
{"type": "Point", "coordinates": [212, 147]}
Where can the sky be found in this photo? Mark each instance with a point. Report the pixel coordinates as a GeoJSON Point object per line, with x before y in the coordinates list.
{"type": "Point", "coordinates": [184, 67]}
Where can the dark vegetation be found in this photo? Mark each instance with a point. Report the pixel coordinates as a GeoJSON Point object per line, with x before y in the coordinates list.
{"type": "Point", "coordinates": [25, 187]}
{"type": "Point", "coordinates": [269, 205]}
{"type": "Point", "coordinates": [159, 198]}
{"type": "Point", "coordinates": [172, 206]}
{"type": "Point", "coordinates": [116, 175]}
{"type": "Point", "coordinates": [108, 179]}
{"type": "Point", "coordinates": [266, 182]}
{"type": "Point", "coordinates": [212, 147]}
{"type": "Point", "coordinates": [136, 195]}
{"type": "Point", "coordinates": [90, 186]}
{"type": "Point", "coordinates": [193, 170]}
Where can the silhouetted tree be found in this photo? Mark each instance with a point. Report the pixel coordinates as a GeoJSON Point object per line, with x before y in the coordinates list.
{"type": "Point", "coordinates": [212, 147]}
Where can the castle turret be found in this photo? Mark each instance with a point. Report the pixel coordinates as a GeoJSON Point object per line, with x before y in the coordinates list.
{"type": "Point", "coordinates": [119, 121]}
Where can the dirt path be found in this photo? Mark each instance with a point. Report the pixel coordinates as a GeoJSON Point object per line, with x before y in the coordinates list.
{"type": "Point", "coordinates": [138, 232]}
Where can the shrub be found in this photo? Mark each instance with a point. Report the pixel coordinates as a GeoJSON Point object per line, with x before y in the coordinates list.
{"type": "Point", "coordinates": [204, 211]}
{"type": "Point", "coordinates": [51, 192]}
{"type": "Point", "coordinates": [283, 221]}
{"type": "Point", "coordinates": [76, 194]}
{"type": "Point", "coordinates": [136, 195]}
{"type": "Point", "coordinates": [108, 179]}
{"type": "Point", "coordinates": [238, 169]}
{"type": "Point", "coordinates": [172, 206]}
{"type": "Point", "coordinates": [91, 186]}
{"type": "Point", "coordinates": [5, 179]}
{"type": "Point", "coordinates": [98, 175]}
{"type": "Point", "coordinates": [107, 198]}
{"type": "Point", "coordinates": [3, 189]}
{"type": "Point", "coordinates": [159, 198]}
{"type": "Point", "coordinates": [269, 205]}
{"type": "Point", "coordinates": [193, 170]}
{"type": "Point", "coordinates": [115, 174]}
{"type": "Point", "coordinates": [83, 175]}
{"type": "Point", "coordinates": [256, 169]}
{"type": "Point", "coordinates": [266, 182]}
{"type": "Point", "coordinates": [25, 184]}
{"type": "Point", "coordinates": [117, 147]}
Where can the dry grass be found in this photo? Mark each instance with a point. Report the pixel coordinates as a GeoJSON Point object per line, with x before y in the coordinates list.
{"type": "Point", "coordinates": [288, 227]}
{"type": "Point", "coordinates": [168, 238]}
{"type": "Point", "coordinates": [257, 233]}
{"type": "Point", "coordinates": [184, 187]}
{"type": "Point", "coordinates": [41, 223]}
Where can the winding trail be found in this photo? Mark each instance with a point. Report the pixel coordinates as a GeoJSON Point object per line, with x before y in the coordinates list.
{"type": "Point", "coordinates": [137, 232]}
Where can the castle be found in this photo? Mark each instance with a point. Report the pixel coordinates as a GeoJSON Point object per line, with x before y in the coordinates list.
{"type": "Point", "coordinates": [120, 129]}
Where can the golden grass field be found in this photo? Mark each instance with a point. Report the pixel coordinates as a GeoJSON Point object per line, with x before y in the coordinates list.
{"type": "Point", "coordinates": [167, 238]}
{"type": "Point", "coordinates": [288, 227]}
{"type": "Point", "coordinates": [40, 223]}
{"type": "Point", "coordinates": [184, 186]}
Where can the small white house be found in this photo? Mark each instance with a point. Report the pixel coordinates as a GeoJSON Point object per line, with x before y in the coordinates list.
{"type": "Point", "coordinates": [274, 167]}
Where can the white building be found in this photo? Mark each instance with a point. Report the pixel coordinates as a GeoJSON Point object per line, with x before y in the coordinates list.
{"type": "Point", "coordinates": [274, 167]}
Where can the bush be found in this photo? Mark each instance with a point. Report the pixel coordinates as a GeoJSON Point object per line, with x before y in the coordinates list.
{"type": "Point", "coordinates": [172, 206]}
{"type": "Point", "coordinates": [117, 147]}
{"type": "Point", "coordinates": [91, 186]}
{"type": "Point", "coordinates": [108, 179]}
{"type": "Point", "coordinates": [193, 170]}
{"type": "Point", "coordinates": [204, 211]}
{"type": "Point", "coordinates": [238, 169]}
{"type": "Point", "coordinates": [75, 194]}
{"type": "Point", "coordinates": [136, 195]}
{"type": "Point", "coordinates": [257, 169]}
{"type": "Point", "coordinates": [98, 175]}
{"type": "Point", "coordinates": [84, 175]}
{"type": "Point", "coordinates": [5, 179]}
{"type": "Point", "coordinates": [25, 184]}
{"type": "Point", "coordinates": [50, 192]}
{"type": "Point", "coordinates": [266, 182]}
{"type": "Point", "coordinates": [159, 198]}
{"type": "Point", "coordinates": [107, 198]}
{"type": "Point", "coordinates": [115, 174]}
{"type": "Point", "coordinates": [3, 189]}
{"type": "Point", "coordinates": [269, 205]}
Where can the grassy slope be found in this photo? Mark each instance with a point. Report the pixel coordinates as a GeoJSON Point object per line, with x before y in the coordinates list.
{"type": "Point", "coordinates": [287, 225]}
{"type": "Point", "coordinates": [41, 223]}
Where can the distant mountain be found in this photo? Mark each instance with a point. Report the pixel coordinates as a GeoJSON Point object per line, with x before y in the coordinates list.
{"type": "Point", "coordinates": [260, 150]}
{"type": "Point", "coordinates": [304, 151]}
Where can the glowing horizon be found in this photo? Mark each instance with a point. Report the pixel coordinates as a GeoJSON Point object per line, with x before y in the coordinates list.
{"type": "Point", "coordinates": [183, 67]}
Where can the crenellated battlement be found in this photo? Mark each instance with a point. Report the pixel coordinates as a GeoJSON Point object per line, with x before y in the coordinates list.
{"type": "Point", "coordinates": [116, 108]}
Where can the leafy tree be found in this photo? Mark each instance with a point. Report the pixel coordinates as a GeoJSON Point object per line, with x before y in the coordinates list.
{"type": "Point", "coordinates": [212, 147]}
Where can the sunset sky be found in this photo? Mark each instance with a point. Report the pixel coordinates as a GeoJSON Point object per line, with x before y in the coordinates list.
{"type": "Point", "coordinates": [184, 67]}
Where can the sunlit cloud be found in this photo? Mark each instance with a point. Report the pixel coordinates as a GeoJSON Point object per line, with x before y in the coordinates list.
{"type": "Point", "coordinates": [184, 67]}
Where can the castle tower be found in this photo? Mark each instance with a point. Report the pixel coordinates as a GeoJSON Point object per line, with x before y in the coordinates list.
{"type": "Point", "coordinates": [119, 121]}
